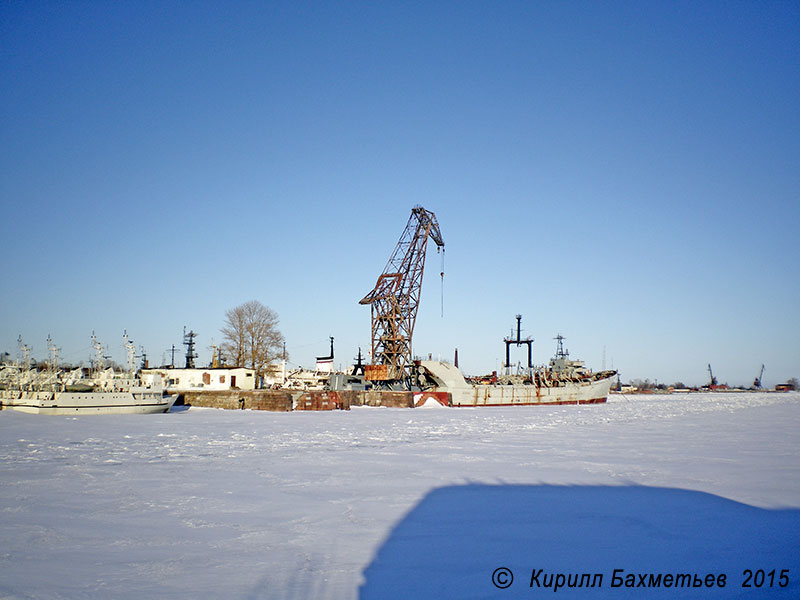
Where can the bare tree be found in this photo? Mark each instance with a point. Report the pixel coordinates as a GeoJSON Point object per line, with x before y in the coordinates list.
{"type": "Point", "coordinates": [251, 337]}
{"type": "Point", "coordinates": [234, 335]}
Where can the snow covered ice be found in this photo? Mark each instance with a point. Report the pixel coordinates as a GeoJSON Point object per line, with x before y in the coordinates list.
{"type": "Point", "coordinates": [422, 503]}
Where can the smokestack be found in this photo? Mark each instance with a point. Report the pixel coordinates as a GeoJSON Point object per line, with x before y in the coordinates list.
{"type": "Point", "coordinates": [456, 360]}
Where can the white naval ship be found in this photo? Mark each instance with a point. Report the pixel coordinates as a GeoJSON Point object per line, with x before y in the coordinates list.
{"type": "Point", "coordinates": [99, 391]}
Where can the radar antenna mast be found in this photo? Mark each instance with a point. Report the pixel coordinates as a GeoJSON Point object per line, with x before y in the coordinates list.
{"type": "Point", "coordinates": [188, 341]}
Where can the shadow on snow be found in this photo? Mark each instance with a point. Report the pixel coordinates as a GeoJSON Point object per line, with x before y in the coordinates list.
{"type": "Point", "coordinates": [452, 542]}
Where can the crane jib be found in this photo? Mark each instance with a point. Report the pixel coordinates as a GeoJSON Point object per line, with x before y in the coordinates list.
{"type": "Point", "coordinates": [395, 297]}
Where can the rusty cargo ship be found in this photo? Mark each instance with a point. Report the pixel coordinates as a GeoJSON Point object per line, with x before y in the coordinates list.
{"type": "Point", "coordinates": [561, 381]}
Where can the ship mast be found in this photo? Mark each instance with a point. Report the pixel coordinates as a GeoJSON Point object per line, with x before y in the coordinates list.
{"type": "Point", "coordinates": [560, 347]}
{"type": "Point", "coordinates": [188, 341]}
{"type": "Point", "coordinates": [130, 349]}
{"type": "Point", "coordinates": [99, 358]}
{"type": "Point", "coordinates": [52, 350]}
{"type": "Point", "coordinates": [24, 351]}
{"type": "Point", "coordinates": [528, 341]}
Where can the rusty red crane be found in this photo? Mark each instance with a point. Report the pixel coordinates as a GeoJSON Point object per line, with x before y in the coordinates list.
{"type": "Point", "coordinates": [395, 298]}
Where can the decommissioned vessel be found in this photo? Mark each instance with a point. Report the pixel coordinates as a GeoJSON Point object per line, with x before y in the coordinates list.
{"type": "Point", "coordinates": [100, 395]}
{"type": "Point", "coordinates": [68, 392]}
{"type": "Point", "coordinates": [562, 381]}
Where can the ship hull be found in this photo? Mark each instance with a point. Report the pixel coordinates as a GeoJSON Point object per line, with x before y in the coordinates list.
{"type": "Point", "coordinates": [463, 394]}
{"type": "Point", "coordinates": [528, 395]}
{"type": "Point", "coordinates": [72, 403]}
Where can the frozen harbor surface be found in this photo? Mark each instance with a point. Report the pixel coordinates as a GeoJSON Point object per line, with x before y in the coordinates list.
{"type": "Point", "coordinates": [424, 503]}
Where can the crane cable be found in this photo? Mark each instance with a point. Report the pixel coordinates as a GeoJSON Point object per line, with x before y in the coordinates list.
{"type": "Point", "coordinates": [441, 274]}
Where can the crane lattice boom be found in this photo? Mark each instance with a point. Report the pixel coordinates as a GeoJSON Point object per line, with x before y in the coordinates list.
{"type": "Point", "coordinates": [395, 298]}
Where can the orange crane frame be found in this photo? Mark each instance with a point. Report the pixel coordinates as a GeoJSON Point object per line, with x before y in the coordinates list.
{"type": "Point", "coordinates": [395, 298]}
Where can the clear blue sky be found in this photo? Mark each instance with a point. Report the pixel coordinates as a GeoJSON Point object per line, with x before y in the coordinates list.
{"type": "Point", "coordinates": [626, 174]}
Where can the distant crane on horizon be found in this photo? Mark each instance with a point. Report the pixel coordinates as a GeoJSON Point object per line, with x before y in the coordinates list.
{"type": "Point", "coordinates": [713, 383]}
{"type": "Point", "coordinates": [757, 380]}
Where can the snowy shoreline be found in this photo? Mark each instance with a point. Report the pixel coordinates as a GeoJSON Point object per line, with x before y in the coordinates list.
{"type": "Point", "coordinates": [205, 503]}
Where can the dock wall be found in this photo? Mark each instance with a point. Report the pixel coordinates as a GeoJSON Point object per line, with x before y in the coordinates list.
{"type": "Point", "coordinates": [390, 399]}
{"type": "Point", "coordinates": [285, 400]}
{"type": "Point", "coordinates": [272, 400]}
{"type": "Point", "coordinates": [322, 400]}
